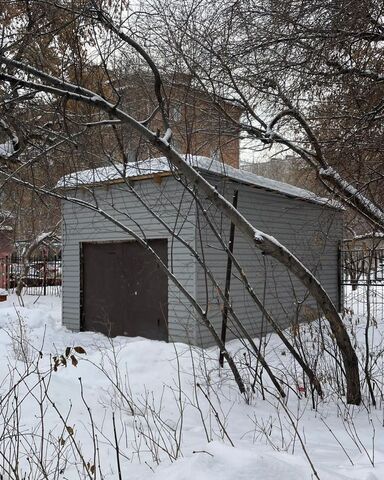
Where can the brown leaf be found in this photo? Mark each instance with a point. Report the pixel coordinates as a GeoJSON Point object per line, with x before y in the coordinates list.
{"type": "Point", "coordinates": [69, 430]}
{"type": "Point", "coordinates": [74, 360]}
{"type": "Point", "coordinates": [56, 363]}
{"type": "Point", "coordinates": [67, 351]}
{"type": "Point", "coordinates": [79, 349]}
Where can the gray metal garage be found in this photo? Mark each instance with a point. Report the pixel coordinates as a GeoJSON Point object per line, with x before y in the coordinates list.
{"type": "Point", "coordinates": [113, 285]}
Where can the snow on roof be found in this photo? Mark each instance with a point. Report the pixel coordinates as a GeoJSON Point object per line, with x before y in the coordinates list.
{"type": "Point", "coordinates": [152, 166]}
{"type": "Point", "coordinates": [115, 172]}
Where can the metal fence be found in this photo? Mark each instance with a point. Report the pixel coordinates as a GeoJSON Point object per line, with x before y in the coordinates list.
{"type": "Point", "coordinates": [43, 278]}
{"type": "Point", "coordinates": [362, 281]}
{"type": "Point", "coordinates": [361, 278]}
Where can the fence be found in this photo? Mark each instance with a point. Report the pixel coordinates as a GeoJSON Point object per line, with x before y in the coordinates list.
{"type": "Point", "coordinates": [43, 278]}
{"type": "Point", "coordinates": [362, 281]}
{"type": "Point", "coordinates": [361, 278]}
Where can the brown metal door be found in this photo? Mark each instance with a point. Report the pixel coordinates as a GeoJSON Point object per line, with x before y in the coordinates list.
{"type": "Point", "coordinates": [124, 290]}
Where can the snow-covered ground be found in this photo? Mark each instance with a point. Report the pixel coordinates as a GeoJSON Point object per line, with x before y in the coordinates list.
{"type": "Point", "coordinates": [176, 415]}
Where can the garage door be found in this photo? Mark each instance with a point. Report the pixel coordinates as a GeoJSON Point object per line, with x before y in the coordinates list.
{"type": "Point", "coordinates": [124, 291]}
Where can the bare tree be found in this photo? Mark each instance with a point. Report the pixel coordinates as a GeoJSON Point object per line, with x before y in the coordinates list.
{"type": "Point", "coordinates": [33, 80]}
{"type": "Point", "coordinates": [308, 76]}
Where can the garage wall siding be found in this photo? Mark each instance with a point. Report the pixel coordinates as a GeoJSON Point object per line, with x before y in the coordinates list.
{"type": "Point", "coordinates": [169, 201]}
{"type": "Point", "coordinates": [311, 231]}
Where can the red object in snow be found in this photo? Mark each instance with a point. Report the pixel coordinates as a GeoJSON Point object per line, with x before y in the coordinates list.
{"type": "Point", "coordinates": [3, 295]}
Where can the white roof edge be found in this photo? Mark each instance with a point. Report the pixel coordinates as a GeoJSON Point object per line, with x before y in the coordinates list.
{"type": "Point", "coordinates": [161, 165]}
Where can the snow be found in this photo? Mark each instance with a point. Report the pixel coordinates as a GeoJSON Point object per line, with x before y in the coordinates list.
{"type": "Point", "coordinates": [366, 236]}
{"type": "Point", "coordinates": [265, 442]}
{"type": "Point", "coordinates": [114, 172]}
{"type": "Point", "coordinates": [354, 194]}
{"type": "Point", "coordinates": [7, 149]}
{"type": "Point", "coordinates": [204, 164]}
{"type": "Point", "coordinates": [258, 237]}
{"type": "Point", "coordinates": [5, 214]}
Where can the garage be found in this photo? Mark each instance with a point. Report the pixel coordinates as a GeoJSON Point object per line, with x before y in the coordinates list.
{"type": "Point", "coordinates": [124, 291]}
{"type": "Point", "coordinates": [113, 285]}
